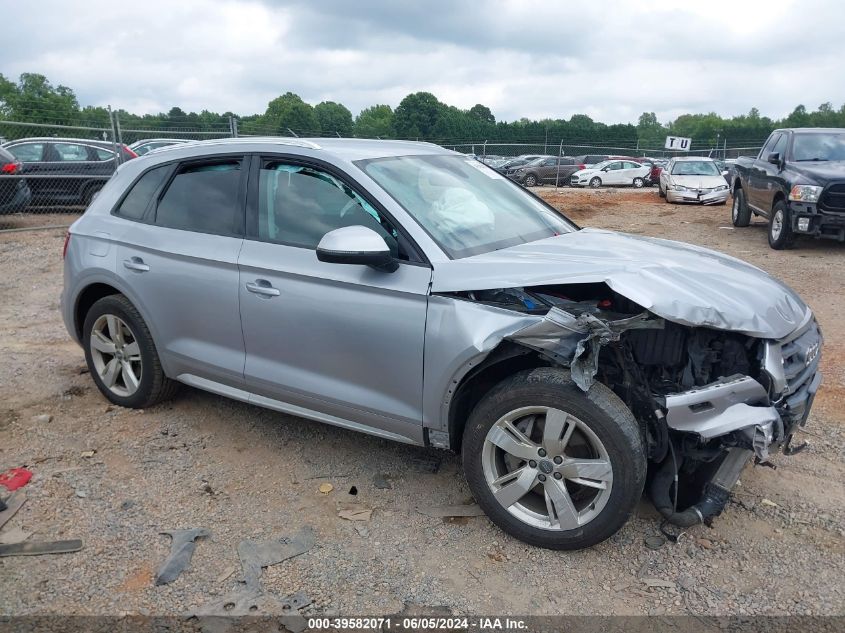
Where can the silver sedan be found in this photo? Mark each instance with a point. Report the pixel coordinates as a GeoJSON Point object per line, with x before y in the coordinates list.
{"type": "Point", "coordinates": [693, 179]}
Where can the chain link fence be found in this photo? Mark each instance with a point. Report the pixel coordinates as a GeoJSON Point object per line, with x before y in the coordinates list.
{"type": "Point", "coordinates": [49, 173]}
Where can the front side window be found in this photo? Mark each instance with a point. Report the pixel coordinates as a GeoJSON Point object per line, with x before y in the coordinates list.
{"type": "Point", "coordinates": [135, 203]}
{"type": "Point", "coordinates": [466, 208]}
{"type": "Point", "coordinates": [203, 198]}
{"type": "Point", "coordinates": [28, 152]}
{"type": "Point", "coordinates": [103, 154]}
{"type": "Point", "coordinates": [695, 168]}
{"type": "Point", "coordinates": [298, 205]}
{"type": "Point", "coordinates": [767, 149]}
{"type": "Point", "coordinates": [71, 152]}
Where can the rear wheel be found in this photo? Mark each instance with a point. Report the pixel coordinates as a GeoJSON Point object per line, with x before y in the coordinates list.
{"type": "Point", "coordinates": [780, 227]}
{"type": "Point", "coordinates": [638, 183]}
{"type": "Point", "coordinates": [740, 211]}
{"type": "Point", "coordinates": [121, 356]}
{"type": "Point", "coordinates": [660, 191]}
{"type": "Point", "coordinates": [551, 465]}
{"type": "Point", "coordinates": [595, 183]}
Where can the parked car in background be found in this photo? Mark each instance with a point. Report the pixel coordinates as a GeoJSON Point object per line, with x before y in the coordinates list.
{"type": "Point", "coordinates": [797, 182]}
{"type": "Point", "coordinates": [14, 192]}
{"type": "Point", "coordinates": [66, 171]}
{"type": "Point", "coordinates": [521, 161]}
{"type": "Point", "coordinates": [511, 164]}
{"type": "Point", "coordinates": [589, 160]}
{"type": "Point", "coordinates": [148, 144]}
{"type": "Point", "coordinates": [727, 167]}
{"type": "Point", "coordinates": [656, 167]}
{"type": "Point", "coordinates": [612, 172]}
{"type": "Point", "coordinates": [693, 179]}
{"type": "Point", "coordinates": [554, 170]}
{"type": "Point", "coordinates": [403, 290]}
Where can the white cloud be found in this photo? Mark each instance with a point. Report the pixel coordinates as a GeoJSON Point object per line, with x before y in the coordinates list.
{"type": "Point", "coordinates": [609, 60]}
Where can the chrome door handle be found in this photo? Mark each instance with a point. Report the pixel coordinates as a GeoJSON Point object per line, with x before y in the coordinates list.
{"type": "Point", "coordinates": [135, 263]}
{"type": "Point", "coordinates": [262, 287]}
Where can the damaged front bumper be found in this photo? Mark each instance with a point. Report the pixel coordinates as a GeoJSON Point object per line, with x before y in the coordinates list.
{"type": "Point", "coordinates": [698, 196]}
{"type": "Point", "coordinates": [757, 418]}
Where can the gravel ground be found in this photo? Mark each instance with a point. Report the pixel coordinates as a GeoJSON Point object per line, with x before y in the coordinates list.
{"type": "Point", "coordinates": [116, 478]}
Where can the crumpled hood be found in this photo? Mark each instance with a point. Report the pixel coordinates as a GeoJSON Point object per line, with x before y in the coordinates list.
{"type": "Point", "coordinates": [679, 282]}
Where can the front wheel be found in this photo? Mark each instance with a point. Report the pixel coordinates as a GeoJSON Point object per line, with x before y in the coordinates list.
{"type": "Point", "coordinates": [740, 211]}
{"type": "Point", "coordinates": [638, 183]}
{"type": "Point", "coordinates": [780, 227]}
{"type": "Point", "coordinates": [595, 183]}
{"type": "Point", "coordinates": [121, 356]}
{"type": "Point", "coordinates": [551, 465]}
{"type": "Point", "coordinates": [530, 180]}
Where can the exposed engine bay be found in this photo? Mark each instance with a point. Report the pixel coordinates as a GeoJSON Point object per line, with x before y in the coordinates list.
{"type": "Point", "coordinates": [707, 400]}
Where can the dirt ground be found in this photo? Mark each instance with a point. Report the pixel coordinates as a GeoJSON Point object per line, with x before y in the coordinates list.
{"type": "Point", "coordinates": [117, 478]}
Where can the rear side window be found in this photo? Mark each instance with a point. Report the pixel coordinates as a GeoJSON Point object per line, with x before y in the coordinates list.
{"type": "Point", "coordinates": [203, 198]}
{"type": "Point", "coordinates": [103, 154]}
{"type": "Point", "coordinates": [71, 152]}
{"type": "Point", "coordinates": [138, 199]}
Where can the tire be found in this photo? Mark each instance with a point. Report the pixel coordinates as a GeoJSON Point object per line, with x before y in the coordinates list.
{"type": "Point", "coordinates": [660, 191]}
{"type": "Point", "coordinates": [740, 211]}
{"type": "Point", "coordinates": [530, 180]}
{"type": "Point", "coordinates": [638, 183]}
{"type": "Point", "coordinates": [780, 227]}
{"type": "Point", "coordinates": [133, 367]}
{"type": "Point", "coordinates": [602, 429]}
{"type": "Point", "coordinates": [595, 182]}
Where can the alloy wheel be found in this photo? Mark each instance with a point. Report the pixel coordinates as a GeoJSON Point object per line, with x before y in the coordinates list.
{"type": "Point", "coordinates": [116, 355]}
{"type": "Point", "coordinates": [777, 224]}
{"type": "Point", "coordinates": [547, 468]}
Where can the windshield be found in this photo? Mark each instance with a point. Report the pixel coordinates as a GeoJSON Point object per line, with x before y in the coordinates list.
{"type": "Point", "coordinates": [695, 168]}
{"type": "Point", "coordinates": [464, 206]}
{"type": "Point", "coordinates": [602, 164]}
{"type": "Point", "coordinates": [819, 147]}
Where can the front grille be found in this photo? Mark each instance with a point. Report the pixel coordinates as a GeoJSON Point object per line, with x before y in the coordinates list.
{"type": "Point", "coordinates": [801, 353]}
{"type": "Point", "coordinates": [833, 198]}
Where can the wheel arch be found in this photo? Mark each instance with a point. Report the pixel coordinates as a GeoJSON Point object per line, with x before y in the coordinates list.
{"type": "Point", "coordinates": [87, 298]}
{"type": "Point", "coordinates": [505, 360]}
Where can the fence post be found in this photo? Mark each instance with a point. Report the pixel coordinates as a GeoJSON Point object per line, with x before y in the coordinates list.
{"type": "Point", "coordinates": [114, 136]}
{"type": "Point", "coordinates": [233, 126]}
{"type": "Point", "coordinates": [484, 152]}
{"type": "Point", "coordinates": [559, 155]}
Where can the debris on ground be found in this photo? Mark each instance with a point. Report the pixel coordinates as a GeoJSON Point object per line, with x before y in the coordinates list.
{"type": "Point", "coordinates": [768, 502]}
{"type": "Point", "coordinates": [257, 554]}
{"type": "Point", "coordinates": [44, 418]}
{"type": "Point", "coordinates": [36, 548]}
{"type": "Point", "coordinates": [325, 488]}
{"type": "Point", "coordinates": [425, 464]}
{"type": "Point", "coordinates": [181, 550]}
{"type": "Point", "coordinates": [354, 511]}
{"type": "Point", "coordinates": [14, 535]}
{"type": "Point", "coordinates": [654, 542]}
{"type": "Point", "coordinates": [468, 510]}
{"type": "Point", "coordinates": [382, 481]}
{"type": "Point", "coordinates": [13, 503]}
{"type": "Point", "coordinates": [15, 478]}
{"type": "Point", "coordinates": [88, 454]}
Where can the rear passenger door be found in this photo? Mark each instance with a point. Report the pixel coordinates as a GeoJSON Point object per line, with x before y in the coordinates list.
{"type": "Point", "coordinates": [180, 261]}
{"type": "Point", "coordinates": [344, 341]}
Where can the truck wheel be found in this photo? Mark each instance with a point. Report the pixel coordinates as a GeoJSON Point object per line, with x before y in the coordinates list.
{"type": "Point", "coordinates": [660, 191]}
{"type": "Point", "coordinates": [740, 212]}
{"type": "Point", "coordinates": [552, 465]}
{"type": "Point", "coordinates": [780, 227]}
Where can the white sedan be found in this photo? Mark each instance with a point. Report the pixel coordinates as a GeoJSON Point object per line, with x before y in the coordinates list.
{"type": "Point", "coordinates": [693, 179]}
{"type": "Point", "coordinates": [612, 172]}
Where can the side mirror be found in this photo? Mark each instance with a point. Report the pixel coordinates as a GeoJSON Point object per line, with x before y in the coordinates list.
{"type": "Point", "coordinates": [725, 173]}
{"type": "Point", "coordinates": [356, 245]}
{"type": "Point", "coordinates": [774, 158]}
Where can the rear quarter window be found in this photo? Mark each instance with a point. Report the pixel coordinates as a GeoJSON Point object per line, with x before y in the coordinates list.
{"type": "Point", "coordinates": [135, 202]}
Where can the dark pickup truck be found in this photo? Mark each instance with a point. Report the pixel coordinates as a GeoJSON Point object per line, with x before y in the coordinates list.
{"type": "Point", "coordinates": [797, 182]}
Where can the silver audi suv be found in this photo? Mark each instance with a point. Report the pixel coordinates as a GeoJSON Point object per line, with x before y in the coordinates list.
{"type": "Point", "coordinates": [410, 292]}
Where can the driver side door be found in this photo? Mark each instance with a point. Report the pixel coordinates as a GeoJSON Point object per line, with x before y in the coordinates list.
{"type": "Point", "coordinates": [614, 175]}
{"type": "Point", "coordinates": [342, 343]}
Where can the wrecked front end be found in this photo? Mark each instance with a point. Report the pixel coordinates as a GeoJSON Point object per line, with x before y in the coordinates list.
{"type": "Point", "coordinates": [707, 400]}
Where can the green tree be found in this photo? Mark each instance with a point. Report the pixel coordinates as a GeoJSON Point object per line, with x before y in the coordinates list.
{"type": "Point", "coordinates": [290, 112]}
{"type": "Point", "coordinates": [36, 100]}
{"type": "Point", "coordinates": [334, 118]}
{"type": "Point", "coordinates": [375, 122]}
{"type": "Point", "coordinates": [417, 115]}
{"type": "Point", "coordinates": [482, 113]}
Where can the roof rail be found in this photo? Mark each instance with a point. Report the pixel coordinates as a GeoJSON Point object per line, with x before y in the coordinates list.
{"type": "Point", "coordinates": [276, 140]}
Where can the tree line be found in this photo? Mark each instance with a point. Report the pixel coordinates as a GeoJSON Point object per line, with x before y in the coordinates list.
{"type": "Point", "coordinates": [420, 115]}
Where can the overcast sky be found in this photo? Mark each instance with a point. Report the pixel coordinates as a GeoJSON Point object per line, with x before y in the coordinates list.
{"type": "Point", "coordinates": [609, 59]}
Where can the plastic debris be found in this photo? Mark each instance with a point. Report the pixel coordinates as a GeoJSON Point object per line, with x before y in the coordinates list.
{"type": "Point", "coordinates": [36, 548]}
{"type": "Point", "coordinates": [354, 512]}
{"type": "Point", "coordinates": [325, 488]}
{"type": "Point", "coordinates": [15, 478]}
{"type": "Point", "coordinates": [181, 550]}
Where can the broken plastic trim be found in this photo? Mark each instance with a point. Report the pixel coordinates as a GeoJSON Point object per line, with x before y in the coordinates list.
{"type": "Point", "coordinates": [575, 341]}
